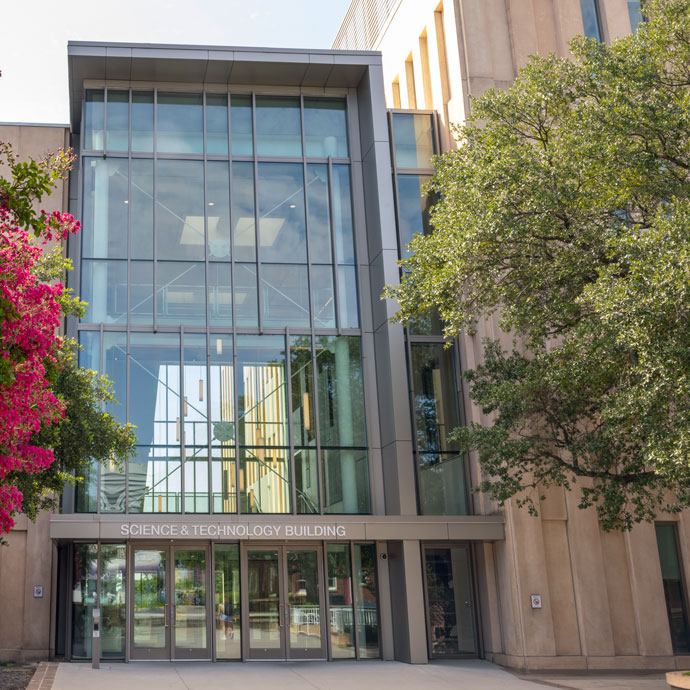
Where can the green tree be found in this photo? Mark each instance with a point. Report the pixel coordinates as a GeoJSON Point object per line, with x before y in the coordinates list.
{"type": "Point", "coordinates": [565, 211]}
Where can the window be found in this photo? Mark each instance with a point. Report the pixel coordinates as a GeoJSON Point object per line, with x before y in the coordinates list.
{"type": "Point", "coordinates": [636, 16]}
{"type": "Point", "coordinates": [590, 19]}
{"type": "Point", "coordinates": [674, 586]}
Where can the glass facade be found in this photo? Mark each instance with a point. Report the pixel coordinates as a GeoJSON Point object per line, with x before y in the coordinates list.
{"type": "Point", "coordinates": [674, 587]}
{"type": "Point", "coordinates": [636, 16]}
{"type": "Point", "coordinates": [590, 19]}
{"type": "Point", "coordinates": [199, 249]}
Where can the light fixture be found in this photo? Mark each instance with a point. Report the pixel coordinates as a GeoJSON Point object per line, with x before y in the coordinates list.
{"type": "Point", "coordinates": [219, 346]}
{"type": "Point", "coordinates": [201, 390]}
{"type": "Point", "coordinates": [126, 201]}
{"type": "Point", "coordinates": [292, 206]}
{"type": "Point", "coordinates": [210, 203]}
{"type": "Point", "coordinates": [186, 406]}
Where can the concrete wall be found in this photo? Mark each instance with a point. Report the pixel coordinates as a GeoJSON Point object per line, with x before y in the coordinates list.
{"type": "Point", "coordinates": [27, 561]}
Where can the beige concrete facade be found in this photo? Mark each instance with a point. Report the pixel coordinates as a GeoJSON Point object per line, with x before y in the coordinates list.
{"type": "Point", "coordinates": [26, 625]}
{"type": "Point", "coordinates": [602, 593]}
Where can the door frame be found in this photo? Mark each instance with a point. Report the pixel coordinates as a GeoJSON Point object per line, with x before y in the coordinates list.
{"type": "Point", "coordinates": [170, 652]}
{"type": "Point", "coordinates": [284, 652]}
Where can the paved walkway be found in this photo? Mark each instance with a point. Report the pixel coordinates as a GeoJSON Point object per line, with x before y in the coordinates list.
{"type": "Point", "coordinates": [363, 675]}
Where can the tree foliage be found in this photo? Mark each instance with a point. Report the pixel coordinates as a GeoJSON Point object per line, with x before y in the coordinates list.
{"type": "Point", "coordinates": [565, 210]}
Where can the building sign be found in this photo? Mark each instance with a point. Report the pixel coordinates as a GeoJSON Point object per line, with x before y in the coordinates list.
{"type": "Point", "coordinates": [235, 530]}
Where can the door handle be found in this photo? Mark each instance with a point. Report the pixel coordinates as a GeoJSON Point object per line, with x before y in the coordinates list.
{"type": "Point", "coordinates": [165, 615]}
{"type": "Point", "coordinates": [174, 616]}
{"type": "Point", "coordinates": [280, 616]}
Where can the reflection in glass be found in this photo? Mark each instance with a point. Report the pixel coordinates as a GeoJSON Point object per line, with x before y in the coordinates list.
{"type": "Point", "coordinates": [141, 209]}
{"type": "Point", "coordinates": [180, 210]}
{"type": "Point", "coordinates": [302, 385]}
{"type": "Point", "coordinates": [117, 117]}
{"type": "Point", "coordinates": [181, 293]}
{"type": "Point", "coordinates": [154, 480]}
{"type": "Point", "coordinates": [285, 293]}
{"type": "Point", "coordinates": [227, 602]}
{"type": "Point", "coordinates": [142, 121]}
{"type": "Point", "coordinates": [590, 19]}
{"type": "Point", "coordinates": [243, 220]}
{"type": "Point", "coordinates": [366, 597]}
{"type": "Point", "coordinates": [319, 214]}
{"type": "Point", "coordinates": [325, 127]}
{"type": "Point", "coordinates": [113, 494]}
{"type": "Point", "coordinates": [90, 352]}
{"type": "Point", "coordinates": [194, 405]}
{"type": "Point", "coordinates": [179, 123]}
{"type": "Point", "coordinates": [223, 479]}
{"type": "Point", "coordinates": [322, 296]}
{"type": "Point", "coordinates": [220, 294]}
{"type": "Point", "coordinates": [414, 140]}
{"type": "Point", "coordinates": [106, 195]}
{"type": "Point", "coordinates": [282, 227]}
{"type": "Point", "coordinates": [218, 210]}
{"type": "Point", "coordinates": [141, 292]}
{"type": "Point", "coordinates": [149, 599]}
{"type": "Point", "coordinates": [345, 481]}
{"type": "Point", "coordinates": [113, 600]}
{"type": "Point", "coordinates": [93, 120]}
{"type": "Point", "coordinates": [196, 495]}
{"type": "Point", "coordinates": [449, 596]}
{"type": "Point", "coordinates": [217, 123]}
{"type": "Point", "coordinates": [189, 604]}
{"type": "Point", "coordinates": [104, 288]}
{"type": "Point", "coordinates": [265, 480]}
{"type": "Point", "coordinates": [84, 584]}
{"type": "Point", "coordinates": [246, 296]}
{"type": "Point", "coordinates": [278, 126]}
{"type": "Point", "coordinates": [674, 588]}
{"type": "Point", "coordinates": [115, 368]}
{"type": "Point", "coordinates": [86, 490]}
{"type": "Point", "coordinates": [306, 481]}
{"type": "Point", "coordinates": [340, 600]}
{"type": "Point", "coordinates": [304, 611]}
{"type": "Point", "coordinates": [241, 125]}
{"type": "Point", "coordinates": [414, 207]}
{"type": "Point", "coordinates": [342, 213]}
{"type": "Point", "coordinates": [222, 401]}
{"type": "Point", "coordinates": [347, 292]}
{"type": "Point", "coordinates": [636, 16]}
{"type": "Point", "coordinates": [263, 599]}
{"type": "Point", "coordinates": [443, 484]}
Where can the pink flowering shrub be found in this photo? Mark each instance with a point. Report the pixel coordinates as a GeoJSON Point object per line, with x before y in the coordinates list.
{"type": "Point", "coordinates": [30, 313]}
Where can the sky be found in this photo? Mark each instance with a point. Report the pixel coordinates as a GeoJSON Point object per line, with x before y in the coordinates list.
{"type": "Point", "coordinates": [34, 35]}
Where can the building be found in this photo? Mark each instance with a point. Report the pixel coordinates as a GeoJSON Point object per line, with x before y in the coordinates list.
{"type": "Point", "coordinates": [293, 494]}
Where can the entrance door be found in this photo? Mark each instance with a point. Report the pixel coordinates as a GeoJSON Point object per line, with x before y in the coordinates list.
{"type": "Point", "coordinates": [284, 611]}
{"type": "Point", "coordinates": [175, 626]}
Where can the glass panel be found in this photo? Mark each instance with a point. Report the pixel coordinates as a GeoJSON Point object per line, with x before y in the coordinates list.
{"type": "Point", "coordinates": [285, 292]}
{"type": "Point", "coordinates": [141, 209]}
{"type": "Point", "coordinates": [304, 624]}
{"type": "Point", "coordinates": [195, 400]}
{"type": "Point", "coordinates": [113, 495]}
{"type": "Point", "coordinates": [106, 196]}
{"type": "Point", "coordinates": [278, 126]}
{"type": "Point", "coordinates": [181, 293]}
{"type": "Point", "coordinates": [342, 213]}
{"type": "Point", "coordinates": [154, 395]}
{"type": "Point", "coordinates": [265, 480]}
{"type": "Point", "coordinates": [93, 120]}
{"type": "Point", "coordinates": [104, 289]}
{"type": "Point", "coordinates": [115, 368]}
{"type": "Point", "coordinates": [189, 618]}
{"type": "Point", "coordinates": [117, 137]}
{"type": "Point", "coordinates": [443, 484]}
{"type": "Point", "coordinates": [218, 210]}
{"type": "Point", "coordinates": [180, 123]}
{"type": "Point", "coordinates": [141, 292]}
{"type": "Point", "coordinates": [414, 140]}
{"type": "Point", "coordinates": [246, 295]}
{"type": "Point", "coordinates": [322, 296]}
{"type": "Point", "coordinates": [435, 395]}
{"type": "Point", "coordinates": [590, 19]}
{"type": "Point", "coordinates": [366, 594]}
{"type": "Point", "coordinates": [223, 480]}
{"type": "Point", "coordinates": [414, 208]}
{"type": "Point", "coordinates": [227, 603]}
{"type": "Point", "coordinates": [263, 599]}
{"type": "Point", "coordinates": [113, 593]}
{"type": "Point", "coordinates": [142, 121]}
{"type": "Point", "coordinates": [347, 291]}
{"type": "Point", "coordinates": [306, 481]}
{"type": "Point", "coordinates": [449, 594]}
{"type": "Point", "coordinates": [319, 214]}
{"type": "Point", "coordinates": [86, 490]}
{"type": "Point", "coordinates": [180, 210]}
{"type": "Point", "coordinates": [340, 599]}
{"type": "Point", "coordinates": [302, 384]}
{"type": "Point", "coordinates": [325, 127]}
{"type": "Point", "coordinates": [345, 481]}
{"type": "Point", "coordinates": [636, 16]}
{"type": "Point", "coordinates": [262, 398]}
{"type": "Point", "coordinates": [243, 220]}
{"type": "Point", "coordinates": [222, 391]}
{"type": "Point", "coordinates": [84, 583]}
{"type": "Point", "coordinates": [154, 480]}
{"type": "Point", "coordinates": [428, 324]}
{"type": "Point", "coordinates": [341, 394]}
{"type": "Point", "coordinates": [217, 123]}
{"type": "Point", "coordinates": [674, 589]}
{"type": "Point", "coordinates": [282, 227]}
{"type": "Point", "coordinates": [220, 294]}
{"type": "Point", "coordinates": [149, 591]}
{"type": "Point", "coordinates": [241, 125]}
{"type": "Point", "coordinates": [90, 352]}
{"type": "Point", "coordinates": [196, 498]}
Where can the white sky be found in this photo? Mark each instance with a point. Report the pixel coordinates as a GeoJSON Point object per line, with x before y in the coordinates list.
{"type": "Point", "coordinates": [34, 35]}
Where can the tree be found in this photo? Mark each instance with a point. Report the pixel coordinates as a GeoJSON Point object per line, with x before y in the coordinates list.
{"type": "Point", "coordinates": [51, 422]}
{"type": "Point", "coordinates": [565, 211]}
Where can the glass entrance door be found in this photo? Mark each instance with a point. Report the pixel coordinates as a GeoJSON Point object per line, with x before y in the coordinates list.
{"type": "Point", "coordinates": [284, 605]}
{"type": "Point", "coordinates": [169, 618]}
